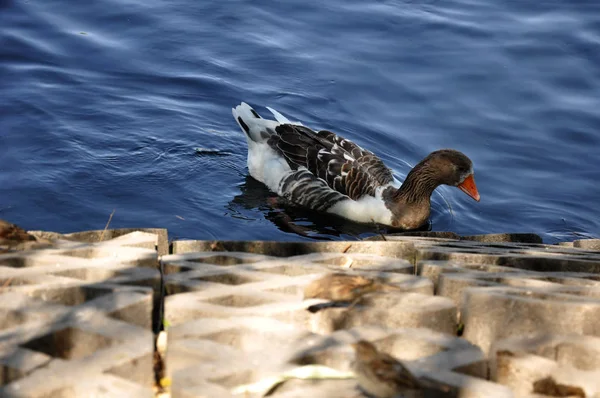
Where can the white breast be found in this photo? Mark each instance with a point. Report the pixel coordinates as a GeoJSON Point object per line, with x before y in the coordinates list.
{"type": "Point", "coordinates": [365, 210]}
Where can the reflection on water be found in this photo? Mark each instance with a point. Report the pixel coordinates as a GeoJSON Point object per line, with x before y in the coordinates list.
{"type": "Point", "coordinates": [102, 104]}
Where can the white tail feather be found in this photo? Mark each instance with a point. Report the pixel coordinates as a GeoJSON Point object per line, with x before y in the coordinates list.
{"type": "Point", "coordinates": [251, 123]}
{"type": "Point", "coordinates": [280, 118]}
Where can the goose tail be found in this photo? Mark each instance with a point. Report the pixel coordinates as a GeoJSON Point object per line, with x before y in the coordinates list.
{"type": "Point", "coordinates": [252, 124]}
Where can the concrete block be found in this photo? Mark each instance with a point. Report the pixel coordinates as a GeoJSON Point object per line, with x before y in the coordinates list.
{"type": "Point", "coordinates": [392, 310]}
{"type": "Point", "coordinates": [223, 285]}
{"type": "Point", "coordinates": [213, 356]}
{"type": "Point", "coordinates": [404, 249]}
{"type": "Point", "coordinates": [228, 351]}
{"type": "Point", "coordinates": [453, 285]}
{"type": "Point", "coordinates": [296, 388]}
{"type": "Point", "coordinates": [292, 266]}
{"type": "Point", "coordinates": [127, 249]}
{"type": "Point", "coordinates": [238, 315]}
{"type": "Point", "coordinates": [452, 279]}
{"type": "Point", "coordinates": [421, 234]}
{"type": "Point", "coordinates": [573, 278]}
{"type": "Point", "coordinates": [76, 318]}
{"type": "Point", "coordinates": [567, 362]}
{"type": "Point", "coordinates": [433, 269]}
{"type": "Point", "coordinates": [461, 386]}
{"type": "Point", "coordinates": [66, 356]}
{"type": "Point", "coordinates": [524, 256]}
{"type": "Point", "coordinates": [160, 240]}
{"type": "Point", "coordinates": [120, 261]}
{"type": "Point", "coordinates": [426, 351]}
{"type": "Point", "coordinates": [496, 313]}
{"type": "Point", "coordinates": [587, 244]}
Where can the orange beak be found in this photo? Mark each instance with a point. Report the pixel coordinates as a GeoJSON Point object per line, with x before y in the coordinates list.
{"type": "Point", "coordinates": [468, 186]}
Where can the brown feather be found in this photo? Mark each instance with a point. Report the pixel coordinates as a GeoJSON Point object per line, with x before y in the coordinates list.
{"type": "Point", "coordinates": [12, 232]}
{"type": "Point", "coordinates": [343, 165]}
{"type": "Point", "coordinates": [345, 287]}
{"type": "Point", "coordinates": [380, 374]}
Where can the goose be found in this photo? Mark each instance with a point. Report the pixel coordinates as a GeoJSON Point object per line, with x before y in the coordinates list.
{"type": "Point", "coordinates": [325, 172]}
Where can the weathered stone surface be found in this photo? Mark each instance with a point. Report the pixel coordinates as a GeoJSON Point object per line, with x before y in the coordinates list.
{"type": "Point", "coordinates": [526, 364]}
{"type": "Point", "coordinates": [546, 258]}
{"type": "Point", "coordinates": [76, 319]}
{"type": "Point", "coordinates": [331, 388]}
{"type": "Point", "coordinates": [68, 352]}
{"type": "Point", "coordinates": [291, 264]}
{"type": "Point", "coordinates": [495, 313]}
{"type": "Point", "coordinates": [497, 286]}
{"type": "Point", "coordinates": [269, 286]}
{"type": "Point", "coordinates": [161, 238]}
{"type": "Point", "coordinates": [235, 314]}
{"type": "Point", "coordinates": [454, 285]}
{"type": "Point", "coordinates": [535, 257]}
{"type": "Point", "coordinates": [257, 348]}
{"type": "Point", "coordinates": [451, 279]}
{"type": "Point", "coordinates": [285, 249]}
{"type": "Point", "coordinates": [392, 310]}
{"type": "Point", "coordinates": [434, 269]}
{"type": "Point", "coordinates": [587, 244]}
{"type": "Point", "coordinates": [424, 234]}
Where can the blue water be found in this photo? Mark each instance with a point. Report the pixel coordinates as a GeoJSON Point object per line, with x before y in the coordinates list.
{"type": "Point", "coordinates": [103, 104]}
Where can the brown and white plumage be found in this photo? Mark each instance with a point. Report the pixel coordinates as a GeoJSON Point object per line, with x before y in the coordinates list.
{"type": "Point", "coordinates": [346, 167]}
{"type": "Point", "coordinates": [326, 172]}
{"type": "Point", "coordinates": [382, 375]}
{"type": "Point", "coordinates": [345, 287]}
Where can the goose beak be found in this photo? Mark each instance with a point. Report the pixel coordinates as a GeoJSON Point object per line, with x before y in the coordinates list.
{"type": "Point", "coordinates": [468, 186]}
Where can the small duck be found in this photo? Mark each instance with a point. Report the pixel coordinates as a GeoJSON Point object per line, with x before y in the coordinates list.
{"type": "Point", "coordinates": [325, 172]}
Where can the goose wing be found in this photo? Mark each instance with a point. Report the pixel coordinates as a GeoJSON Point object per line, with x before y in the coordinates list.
{"type": "Point", "coordinates": [344, 166]}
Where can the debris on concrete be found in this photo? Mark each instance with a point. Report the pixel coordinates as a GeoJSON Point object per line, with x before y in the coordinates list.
{"type": "Point", "coordinates": [126, 313]}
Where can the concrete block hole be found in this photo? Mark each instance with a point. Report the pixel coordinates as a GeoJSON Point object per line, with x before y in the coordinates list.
{"type": "Point", "coordinates": [70, 343]}
{"type": "Point", "coordinates": [228, 281]}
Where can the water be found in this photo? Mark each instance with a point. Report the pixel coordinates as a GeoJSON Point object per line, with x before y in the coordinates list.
{"type": "Point", "coordinates": [102, 106]}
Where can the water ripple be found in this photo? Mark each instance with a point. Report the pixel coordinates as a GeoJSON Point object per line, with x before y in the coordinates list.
{"type": "Point", "coordinates": [103, 105]}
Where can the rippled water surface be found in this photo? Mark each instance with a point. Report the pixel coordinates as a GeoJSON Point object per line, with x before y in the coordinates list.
{"type": "Point", "coordinates": [103, 105]}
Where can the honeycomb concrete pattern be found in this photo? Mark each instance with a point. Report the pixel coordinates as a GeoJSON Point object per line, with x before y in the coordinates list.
{"type": "Point", "coordinates": [571, 360]}
{"type": "Point", "coordinates": [486, 316]}
{"type": "Point", "coordinates": [237, 314]}
{"type": "Point", "coordinates": [76, 318]}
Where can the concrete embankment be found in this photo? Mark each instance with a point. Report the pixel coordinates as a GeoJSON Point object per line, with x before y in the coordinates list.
{"type": "Point", "coordinates": [484, 316]}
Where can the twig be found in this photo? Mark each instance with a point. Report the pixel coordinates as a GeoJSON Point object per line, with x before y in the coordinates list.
{"type": "Point", "coordinates": [107, 224]}
{"type": "Point", "coordinates": [379, 230]}
{"type": "Point", "coordinates": [7, 282]}
{"type": "Point", "coordinates": [382, 235]}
